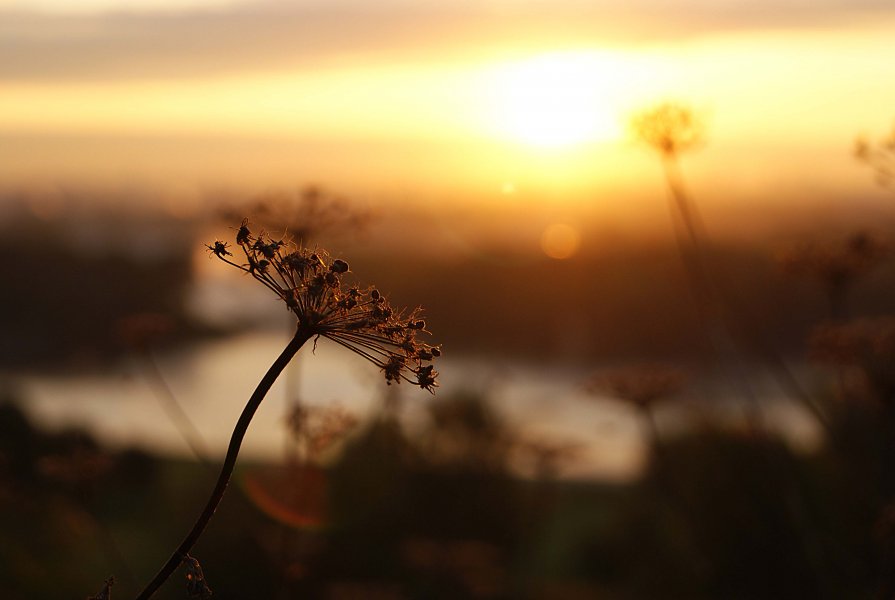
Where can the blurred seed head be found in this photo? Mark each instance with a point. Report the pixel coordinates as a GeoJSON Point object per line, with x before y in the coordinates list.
{"type": "Point", "coordinates": [863, 347]}
{"type": "Point", "coordinates": [855, 342]}
{"type": "Point", "coordinates": [306, 213]}
{"type": "Point", "coordinates": [642, 386]}
{"type": "Point", "coordinates": [320, 428]}
{"type": "Point", "coordinates": [669, 128]}
{"type": "Point", "coordinates": [545, 458]}
{"type": "Point", "coordinates": [836, 263]}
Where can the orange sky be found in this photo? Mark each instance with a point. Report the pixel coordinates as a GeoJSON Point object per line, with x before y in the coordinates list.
{"type": "Point", "coordinates": [497, 97]}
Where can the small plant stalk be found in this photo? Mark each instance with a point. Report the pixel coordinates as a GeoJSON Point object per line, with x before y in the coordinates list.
{"type": "Point", "coordinates": [301, 336]}
{"type": "Point", "coordinates": [362, 321]}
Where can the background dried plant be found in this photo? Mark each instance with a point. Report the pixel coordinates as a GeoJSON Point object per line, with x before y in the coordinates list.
{"type": "Point", "coordinates": [837, 265]}
{"type": "Point", "coordinates": [305, 213]}
{"type": "Point", "coordinates": [669, 127]}
{"type": "Point", "coordinates": [879, 155]}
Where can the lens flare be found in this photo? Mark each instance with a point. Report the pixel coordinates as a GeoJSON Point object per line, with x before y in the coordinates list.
{"type": "Point", "coordinates": [560, 241]}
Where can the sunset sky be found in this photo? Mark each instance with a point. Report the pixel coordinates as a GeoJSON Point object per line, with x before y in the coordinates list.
{"type": "Point", "coordinates": [408, 95]}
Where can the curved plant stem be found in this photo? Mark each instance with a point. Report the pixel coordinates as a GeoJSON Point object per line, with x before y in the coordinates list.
{"type": "Point", "coordinates": [301, 336]}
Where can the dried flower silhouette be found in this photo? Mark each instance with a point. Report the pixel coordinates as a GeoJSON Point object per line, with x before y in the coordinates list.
{"type": "Point", "coordinates": [306, 212]}
{"type": "Point", "coordinates": [670, 129]}
{"type": "Point", "coordinates": [310, 284]}
{"type": "Point", "coordinates": [729, 329]}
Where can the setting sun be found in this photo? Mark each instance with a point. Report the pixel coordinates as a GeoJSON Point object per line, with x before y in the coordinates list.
{"type": "Point", "coordinates": [558, 99]}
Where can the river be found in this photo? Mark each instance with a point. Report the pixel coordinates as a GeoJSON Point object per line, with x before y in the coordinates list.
{"type": "Point", "coordinates": [212, 380]}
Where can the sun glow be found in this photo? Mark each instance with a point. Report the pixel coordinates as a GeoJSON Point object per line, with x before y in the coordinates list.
{"type": "Point", "coordinates": [560, 99]}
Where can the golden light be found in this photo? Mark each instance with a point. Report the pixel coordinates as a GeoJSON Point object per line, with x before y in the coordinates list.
{"type": "Point", "coordinates": [559, 99]}
{"type": "Point", "coordinates": [560, 241]}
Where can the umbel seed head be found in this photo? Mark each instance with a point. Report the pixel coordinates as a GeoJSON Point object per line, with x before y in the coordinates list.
{"type": "Point", "coordinates": [310, 285]}
{"type": "Point", "coordinates": [669, 128]}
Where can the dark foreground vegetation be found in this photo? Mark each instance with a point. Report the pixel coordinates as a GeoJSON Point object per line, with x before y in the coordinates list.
{"type": "Point", "coordinates": [446, 514]}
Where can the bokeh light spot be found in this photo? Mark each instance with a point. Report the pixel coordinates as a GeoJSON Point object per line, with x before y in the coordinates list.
{"type": "Point", "coordinates": [560, 241]}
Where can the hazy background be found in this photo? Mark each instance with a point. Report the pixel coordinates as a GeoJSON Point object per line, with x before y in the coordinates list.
{"type": "Point", "coordinates": [474, 158]}
{"type": "Point", "coordinates": [477, 157]}
{"type": "Point", "coordinates": [419, 101]}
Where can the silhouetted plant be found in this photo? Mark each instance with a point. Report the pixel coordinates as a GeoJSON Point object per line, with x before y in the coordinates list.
{"type": "Point", "coordinates": [317, 429]}
{"type": "Point", "coordinates": [465, 430]}
{"type": "Point", "coordinates": [863, 353]}
{"type": "Point", "coordinates": [305, 213]}
{"type": "Point", "coordinates": [106, 592]}
{"type": "Point", "coordinates": [643, 387]}
{"type": "Point", "coordinates": [727, 324]}
{"type": "Point", "coordinates": [310, 284]}
{"type": "Point", "coordinates": [837, 266]}
{"type": "Point", "coordinates": [866, 346]}
{"type": "Point", "coordinates": [671, 129]}
{"type": "Point", "coordinates": [878, 155]}
{"type": "Point", "coordinates": [545, 458]}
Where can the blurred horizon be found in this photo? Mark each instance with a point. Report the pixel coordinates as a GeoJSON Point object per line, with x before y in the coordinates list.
{"type": "Point", "coordinates": [470, 103]}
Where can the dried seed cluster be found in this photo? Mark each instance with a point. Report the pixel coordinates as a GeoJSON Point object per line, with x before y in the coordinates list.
{"type": "Point", "coordinates": [642, 386]}
{"type": "Point", "coordinates": [669, 128]}
{"type": "Point", "coordinates": [310, 283]}
{"type": "Point", "coordinates": [837, 263]}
